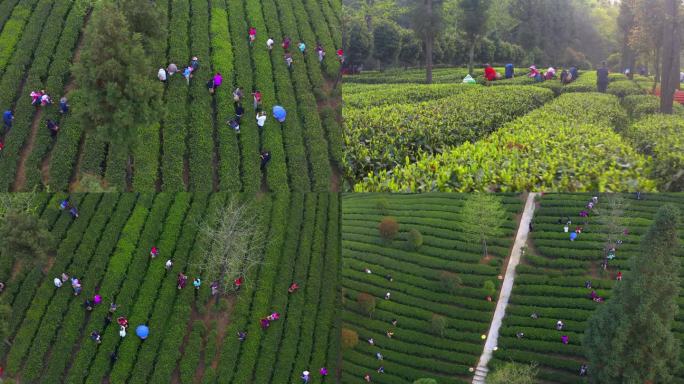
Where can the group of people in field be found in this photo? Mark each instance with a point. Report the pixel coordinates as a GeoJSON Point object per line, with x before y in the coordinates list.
{"type": "Point", "coordinates": [389, 333]}
{"type": "Point", "coordinates": [39, 99]}
{"type": "Point", "coordinates": [566, 75]}
{"type": "Point", "coordinates": [216, 80]}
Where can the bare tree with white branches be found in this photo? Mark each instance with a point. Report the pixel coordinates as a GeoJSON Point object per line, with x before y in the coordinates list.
{"type": "Point", "coordinates": [233, 244]}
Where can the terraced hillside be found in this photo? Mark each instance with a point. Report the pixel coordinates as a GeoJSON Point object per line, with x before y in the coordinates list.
{"type": "Point", "coordinates": [191, 148]}
{"type": "Point", "coordinates": [552, 275]}
{"type": "Point", "coordinates": [193, 336]}
{"type": "Point", "coordinates": [444, 281]}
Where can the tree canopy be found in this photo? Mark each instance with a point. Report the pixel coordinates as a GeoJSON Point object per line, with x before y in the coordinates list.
{"type": "Point", "coordinates": [119, 94]}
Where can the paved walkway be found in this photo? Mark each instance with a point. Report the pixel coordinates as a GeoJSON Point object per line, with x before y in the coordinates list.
{"type": "Point", "coordinates": [493, 334]}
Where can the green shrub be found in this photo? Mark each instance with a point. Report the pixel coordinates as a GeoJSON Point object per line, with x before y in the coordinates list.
{"type": "Point", "coordinates": [349, 338]}
{"type": "Point", "coordinates": [438, 324]}
{"type": "Point", "coordinates": [415, 239]}
{"type": "Point", "coordinates": [389, 227]}
{"type": "Point", "coordinates": [383, 206]}
{"type": "Point", "coordinates": [366, 302]}
{"type": "Point", "coordinates": [450, 281]}
{"type": "Point", "coordinates": [662, 138]}
{"type": "Point", "coordinates": [381, 138]}
{"type": "Point", "coordinates": [569, 145]}
{"type": "Point", "coordinates": [489, 287]}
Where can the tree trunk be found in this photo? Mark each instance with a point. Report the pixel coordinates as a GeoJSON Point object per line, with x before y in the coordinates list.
{"type": "Point", "coordinates": [626, 52]}
{"type": "Point", "coordinates": [670, 57]}
{"type": "Point", "coordinates": [429, 43]}
{"type": "Point", "coordinates": [656, 66]}
{"type": "Point", "coordinates": [484, 243]}
{"type": "Point", "coordinates": [471, 58]}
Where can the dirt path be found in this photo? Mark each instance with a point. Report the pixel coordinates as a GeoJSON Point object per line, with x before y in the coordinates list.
{"type": "Point", "coordinates": [507, 286]}
{"type": "Point", "coordinates": [26, 149]}
{"type": "Point", "coordinates": [70, 86]}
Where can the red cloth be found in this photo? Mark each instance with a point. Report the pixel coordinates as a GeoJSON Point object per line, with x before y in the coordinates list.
{"type": "Point", "coordinates": [490, 74]}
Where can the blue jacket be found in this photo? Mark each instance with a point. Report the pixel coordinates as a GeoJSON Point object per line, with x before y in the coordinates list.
{"type": "Point", "coordinates": [7, 116]}
{"type": "Point", "coordinates": [509, 71]}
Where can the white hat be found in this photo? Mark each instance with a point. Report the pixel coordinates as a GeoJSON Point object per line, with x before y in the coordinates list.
{"type": "Point", "coordinates": [306, 373]}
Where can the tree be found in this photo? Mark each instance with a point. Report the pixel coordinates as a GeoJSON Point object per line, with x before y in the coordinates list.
{"type": "Point", "coordinates": [626, 23]}
{"type": "Point", "coordinates": [473, 20]}
{"type": "Point", "coordinates": [411, 49]}
{"type": "Point", "coordinates": [386, 42]}
{"type": "Point", "coordinates": [234, 242]}
{"type": "Point", "coordinates": [358, 42]}
{"type": "Point", "coordinates": [144, 17]}
{"type": "Point", "coordinates": [611, 216]}
{"type": "Point", "coordinates": [119, 95]}
{"type": "Point", "coordinates": [438, 324]}
{"type": "Point", "coordinates": [514, 373]}
{"type": "Point", "coordinates": [450, 281]}
{"type": "Point", "coordinates": [415, 239]}
{"type": "Point", "coordinates": [24, 202]}
{"type": "Point", "coordinates": [366, 302]}
{"type": "Point", "coordinates": [349, 338]}
{"type": "Point", "coordinates": [481, 218]}
{"type": "Point", "coordinates": [26, 238]}
{"type": "Point", "coordinates": [630, 339]}
{"type": "Point", "coordinates": [672, 36]}
{"type": "Point", "coordinates": [427, 23]}
{"type": "Point", "coordinates": [388, 228]}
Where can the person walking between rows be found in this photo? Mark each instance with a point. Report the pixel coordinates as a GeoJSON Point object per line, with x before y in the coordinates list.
{"type": "Point", "coordinates": [320, 52]}
{"type": "Point", "coordinates": [252, 36]}
{"type": "Point", "coordinates": [256, 95]}
{"type": "Point", "coordinates": [63, 105]}
{"type": "Point", "coordinates": [288, 60]}
{"type": "Point", "coordinates": [7, 119]}
{"type": "Point", "coordinates": [261, 119]}
{"type": "Point", "coordinates": [602, 78]}
{"type": "Point", "coordinates": [237, 94]}
{"type": "Point", "coordinates": [161, 75]}
{"type": "Point", "coordinates": [171, 69]}
{"type": "Point", "coordinates": [269, 44]}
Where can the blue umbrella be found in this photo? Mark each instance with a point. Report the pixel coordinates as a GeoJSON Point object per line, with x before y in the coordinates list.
{"type": "Point", "coordinates": [279, 113]}
{"type": "Point", "coordinates": [573, 236]}
{"type": "Point", "coordinates": [142, 331]}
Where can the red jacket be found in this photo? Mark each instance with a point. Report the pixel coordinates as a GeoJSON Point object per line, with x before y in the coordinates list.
{"type": "Point", "coordinates": [490, 74]}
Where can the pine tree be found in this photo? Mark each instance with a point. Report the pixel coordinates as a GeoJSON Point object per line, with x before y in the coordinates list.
{"type": "Point", "coordinates": [119, 90]}
{"type": "Point", "coordinates": [630, 339]}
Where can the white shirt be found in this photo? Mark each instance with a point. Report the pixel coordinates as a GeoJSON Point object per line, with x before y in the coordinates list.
{"type": "Point", "coordinates": [168, 263]}
{"type": "Point", "coordinates": [269, 42]}
{"type": "Point", "coordinates": [58, 282]}
{"type": "Point", "coordinates": [161, 74]}
{"type": "Point", "coordinates": [261, 120]}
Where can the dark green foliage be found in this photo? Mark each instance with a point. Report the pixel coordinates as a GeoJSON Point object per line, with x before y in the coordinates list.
{"type": "Point", "coordinates": [119, 97]}
{"type": "Point", "coordinates": [415, 239]}
{"type": "Point", "coordinates": [439, 324]}
{"type": "Point", "coordinates": [358, 42]}
{"type": "Point", "coordinates": [25, 237]}
{"type": "Point", "coordinates": [450, 281]}
{"type": "Point", "coordinates": [386, 42]}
